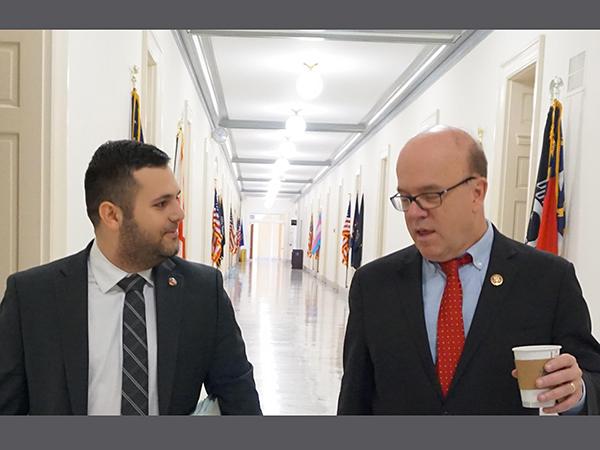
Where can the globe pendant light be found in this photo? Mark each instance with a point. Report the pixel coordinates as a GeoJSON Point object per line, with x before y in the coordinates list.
{"type": "Point", "coordinates": [281, 165]}
{"type": "Point", "coordinates": [295, 125]}
{"type": "Point", "coordinates": [309, 84]}
{"type": "Point", "coordinates": [287, 148]}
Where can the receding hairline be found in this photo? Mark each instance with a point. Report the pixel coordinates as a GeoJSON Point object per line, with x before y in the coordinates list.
{"type": "Point", "coordinates": [475, 158]}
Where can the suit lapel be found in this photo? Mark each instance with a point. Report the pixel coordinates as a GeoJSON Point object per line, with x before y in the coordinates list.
{"type": "Point", "coordinates": [410, 291]}
{"type": "Point", "coordinates": [490, 299]}
{"type": "Point", "coordinates": [169, 289]}
{"type": "Point", "coordinates": [71, 289]}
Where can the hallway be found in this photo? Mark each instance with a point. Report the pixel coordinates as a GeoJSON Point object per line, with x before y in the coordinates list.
{"type": "Point", "coordinates": [293, 326]}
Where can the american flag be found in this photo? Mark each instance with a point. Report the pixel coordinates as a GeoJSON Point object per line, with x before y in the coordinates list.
{"type": "Point", "coordinates": [232, 234]}
{"type": "Point", "coordinates": [346, 236]}
{"type": "Point", "coordinates": [216, 235]}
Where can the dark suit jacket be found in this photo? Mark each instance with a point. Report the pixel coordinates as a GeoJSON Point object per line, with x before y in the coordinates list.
{"type": "Point", "coordinates": [44, 341]}
{"type": "Point", "coordinates": [388, 368]}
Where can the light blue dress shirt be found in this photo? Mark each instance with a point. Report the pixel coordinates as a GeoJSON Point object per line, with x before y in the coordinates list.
{"type": "Point", "coordinates": [472, 277]}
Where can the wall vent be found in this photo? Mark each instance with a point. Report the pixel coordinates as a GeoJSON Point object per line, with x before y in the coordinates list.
{"type": "Point", "coordinates": [576, 72]}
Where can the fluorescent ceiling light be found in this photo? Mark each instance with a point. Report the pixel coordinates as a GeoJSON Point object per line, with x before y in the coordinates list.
{"type": "Point", "coordinates": [321, 172]}
{"type": "Point", "coordinates": [407, 84]}
{"type": "Point", "coordinates": [206, 73]}
{"type": "Point", "coordinates": [347, 146]}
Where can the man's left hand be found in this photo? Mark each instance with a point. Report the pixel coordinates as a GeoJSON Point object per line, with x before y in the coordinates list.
{"type": "Point", "coordinates": [564, 381]}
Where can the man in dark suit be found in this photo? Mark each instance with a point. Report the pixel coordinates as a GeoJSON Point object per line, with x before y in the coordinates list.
{"type": "Point", "coordinates": [77, 339]}
{"type": "Point", "coordinates": [507, 294]}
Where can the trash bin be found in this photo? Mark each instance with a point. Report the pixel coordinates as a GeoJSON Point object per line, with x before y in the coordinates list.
{"type": "Point", "coordinates": [243, 255]}
{"type": "Point", "coordinates": [297, 258]}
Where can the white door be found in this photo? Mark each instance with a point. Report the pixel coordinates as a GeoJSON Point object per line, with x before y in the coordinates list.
{"type": "Point", "coordinates": [518, 152]}
{"type": "Point", "coordinates": [24, 149]}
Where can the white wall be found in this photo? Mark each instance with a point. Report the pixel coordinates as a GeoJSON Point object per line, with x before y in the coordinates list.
{"type": "Point", "coordinates": [468, 96]}
{"type": "Point", "coordinates": [98, 66]}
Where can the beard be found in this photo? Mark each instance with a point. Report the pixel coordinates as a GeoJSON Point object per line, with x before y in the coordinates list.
{"type": "Point", "coordinates": [140, 249]}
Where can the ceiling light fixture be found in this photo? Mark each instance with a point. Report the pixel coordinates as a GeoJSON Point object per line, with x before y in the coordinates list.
{"type": "Point", "coordinates": [309, 84]}
{"type": "Point", "coordinates": [321, 172]}
{"type": "Point", "coordinates": [274, 186]}
{"type": "Point", "coordinates": [287, 148]}
{"type": "Point", "coordinates": [295, 125]}
{"type": "Point", "coordinates": [347, 146]}
{"type": "Point", "coordinates": [281, 165]}
{"type": "Point", "coordinates": [407, 83]}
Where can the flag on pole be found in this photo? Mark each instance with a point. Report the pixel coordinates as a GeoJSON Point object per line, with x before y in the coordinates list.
{"type": "Point", "coordinates": [136, 117]}
{"type": "Point", "coordinates": [547, 222]}
{"type": "Point", "coordinates": [223, 232]}
{"type": "Point", "coordinates": [216, 235]}
{"type": "Point", "coordinates": [232, 234]}
{"type": "Point", "coordinates": [317, 245]}
{"type": "Point", "coordinates": [241, 234]}
{"type": "Point", "coordinates": [178, 172]}
{"type": "Point", "coordinates": [310, 237]}
{"type": "Point", "coordinates": [357, 233]}
{"type": "Point", "coordinates": [346, 236]}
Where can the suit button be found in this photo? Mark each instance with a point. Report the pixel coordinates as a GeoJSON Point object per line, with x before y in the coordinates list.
{"type": "Point", "coordinates": [446, 413]}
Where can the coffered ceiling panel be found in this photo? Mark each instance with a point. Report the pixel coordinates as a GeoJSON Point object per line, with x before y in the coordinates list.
{"type": "Point", "coordinates": [247, 82]}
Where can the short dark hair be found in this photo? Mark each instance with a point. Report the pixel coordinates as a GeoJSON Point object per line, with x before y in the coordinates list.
{"type": "Point", "coordinates": [109, 176]}
{"type": "Point", "coordinates": [477, 160]}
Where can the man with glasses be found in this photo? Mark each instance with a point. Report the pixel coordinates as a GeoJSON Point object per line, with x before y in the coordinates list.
{"type": "Point", "coordinates": [432, 327]}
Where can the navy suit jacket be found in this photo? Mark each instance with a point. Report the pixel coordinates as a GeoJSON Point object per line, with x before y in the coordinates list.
{"type": "Point", "coordinates": [44, 340]}
{"type": "Point", "coordinates": [388, 367]}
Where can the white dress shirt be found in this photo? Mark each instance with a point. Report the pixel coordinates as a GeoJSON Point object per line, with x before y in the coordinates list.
{"type": "Point", "coordinates": [105, 335]}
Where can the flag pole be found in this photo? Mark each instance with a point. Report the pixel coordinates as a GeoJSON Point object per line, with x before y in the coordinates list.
{"type": "Point", "coordinates": [318, 260]}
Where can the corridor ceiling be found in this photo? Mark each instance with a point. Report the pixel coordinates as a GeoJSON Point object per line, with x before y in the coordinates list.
{"type": "Point", "coordinates": [247, 82]}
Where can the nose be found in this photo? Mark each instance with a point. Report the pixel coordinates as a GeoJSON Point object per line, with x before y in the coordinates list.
{"type": "Point", "coordinates": [178, 215]}
{"type": "Point", "coordinates": [415, 211]}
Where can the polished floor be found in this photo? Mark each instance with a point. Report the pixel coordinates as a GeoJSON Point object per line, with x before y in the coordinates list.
{"type": "Point", "coordinates": [293, 326]}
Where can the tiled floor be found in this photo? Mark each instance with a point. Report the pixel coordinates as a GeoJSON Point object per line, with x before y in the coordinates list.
{"type": "Point", "coordinates": [293, 326]}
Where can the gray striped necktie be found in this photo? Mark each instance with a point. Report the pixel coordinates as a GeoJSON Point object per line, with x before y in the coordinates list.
{"type": "Point", "coordinates": [134, 391]}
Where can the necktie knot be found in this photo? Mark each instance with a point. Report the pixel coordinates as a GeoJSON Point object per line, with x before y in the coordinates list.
{"type": "Point", "coordinates": [451, 267]}
{"type": "Point", "coordinates": [133, 282]}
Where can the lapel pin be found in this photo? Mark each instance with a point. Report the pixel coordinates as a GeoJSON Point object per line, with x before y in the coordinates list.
{"type": "Point", "coordinates": [172, 282]}
{"type": "Point", "coordinates": [497, 279]}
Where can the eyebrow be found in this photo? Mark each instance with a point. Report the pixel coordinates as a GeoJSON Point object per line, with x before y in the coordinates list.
{"type": "Point", "coordinates": [166, 197]}
{"type": "Point", "coordinates": [430, 188]}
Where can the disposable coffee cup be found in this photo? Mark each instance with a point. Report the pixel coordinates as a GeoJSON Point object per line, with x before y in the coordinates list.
{"type": "Point", "coordinates": [530, 361]}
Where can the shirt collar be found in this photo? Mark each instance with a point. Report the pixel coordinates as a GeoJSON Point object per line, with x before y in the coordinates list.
{"type": "Point", "coordinates": [107, 275]}
{"type": "Point", "coordinates": [480, 251]}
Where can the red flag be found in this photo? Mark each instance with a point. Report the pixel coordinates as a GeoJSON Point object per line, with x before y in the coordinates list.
{"type": "Point", "coordinates": [178, 172]}
{"type": "Point", "coordinates": [547, 224]}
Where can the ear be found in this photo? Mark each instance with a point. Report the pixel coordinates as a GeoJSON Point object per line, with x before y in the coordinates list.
{"type": "Point", "coordinates": [480, 185]}
{"type": "Point", "coordinates": [110, 215]}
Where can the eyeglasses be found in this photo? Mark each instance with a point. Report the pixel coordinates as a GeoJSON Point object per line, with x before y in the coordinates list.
{"type": "Point", "coordinates": [427, 201]}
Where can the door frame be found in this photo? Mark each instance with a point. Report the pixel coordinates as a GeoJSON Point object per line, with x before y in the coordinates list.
{"type": "Point", "coordinates": [532, 54]}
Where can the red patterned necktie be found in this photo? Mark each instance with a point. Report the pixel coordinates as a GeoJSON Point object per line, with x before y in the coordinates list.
{"type": "Point", "coordinates": [450, 329]}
